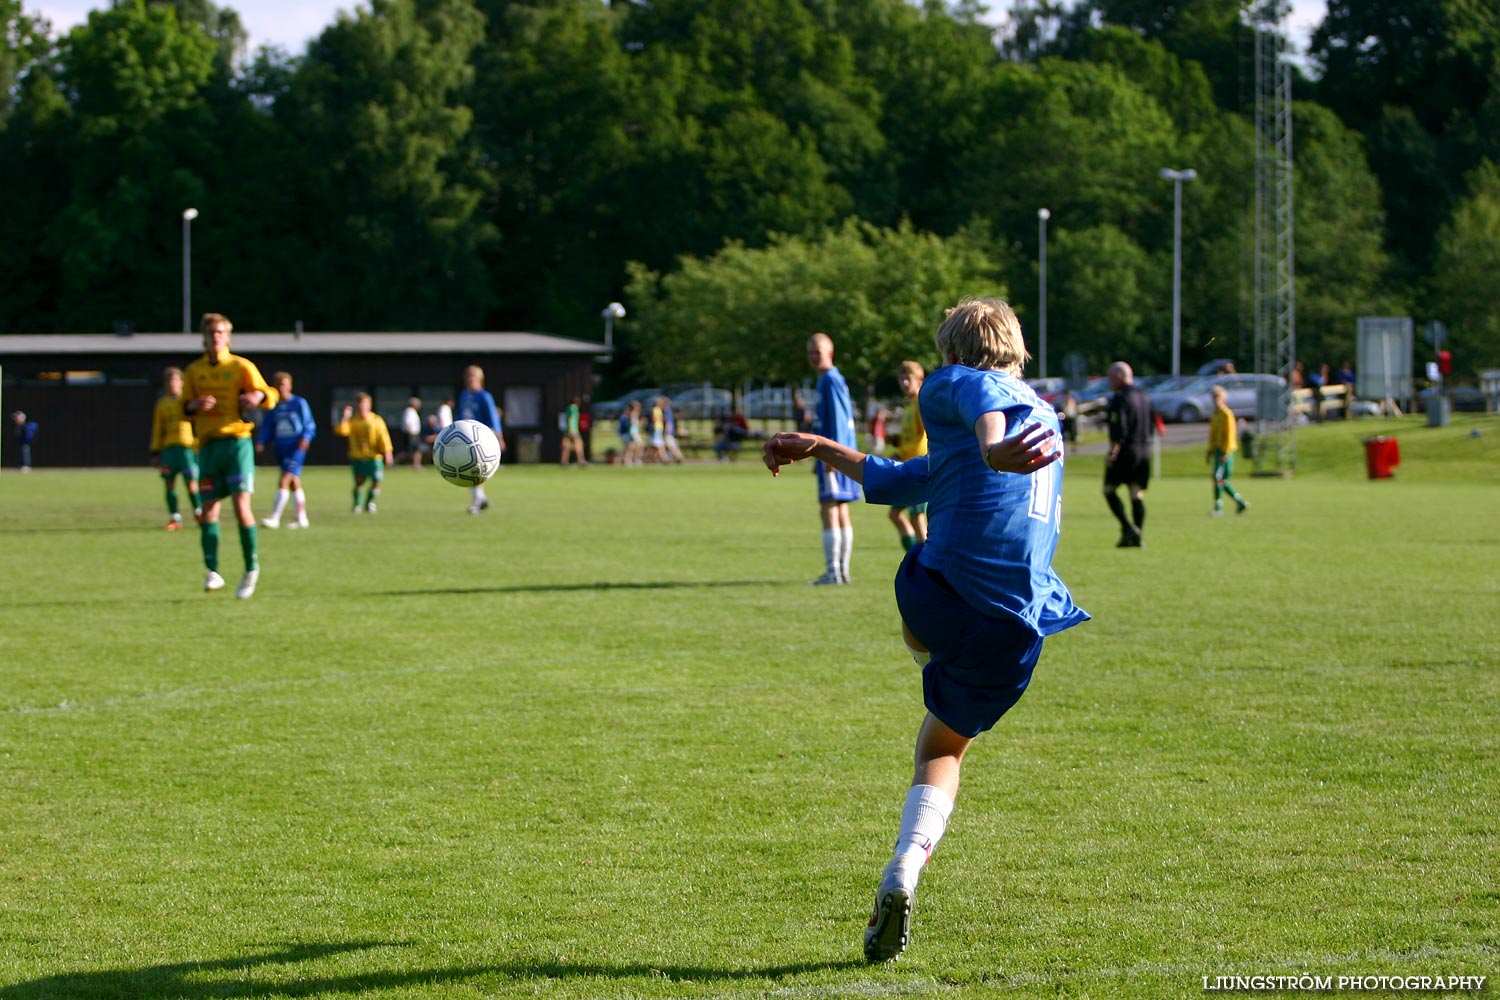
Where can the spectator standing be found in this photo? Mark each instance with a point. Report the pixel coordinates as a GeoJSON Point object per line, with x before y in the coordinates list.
{"type": "Point", "coordinates": [1129, 460]}
{"type": "Point", "coordinates": [669, 431]}
{"type": "Point", "coordinates": [411, 426]}
{"type": "Point", "coordinates": [25, 434]}
{"type": "Point", "coordinates": [572, 442]}
{"type": "Point", "coordinates": [172, 449]}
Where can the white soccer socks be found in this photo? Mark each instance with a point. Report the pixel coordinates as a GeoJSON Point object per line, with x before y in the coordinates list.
{"type": "Point", "coordinates": [924, 819]}
{"type": "Point", "coordinates": [833, 554]}
{"type": "Point", "coordinates": [845, 549]}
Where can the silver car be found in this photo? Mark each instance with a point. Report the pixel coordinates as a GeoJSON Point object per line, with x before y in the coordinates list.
{"type": "Point", "coordinates": [1249, 396]}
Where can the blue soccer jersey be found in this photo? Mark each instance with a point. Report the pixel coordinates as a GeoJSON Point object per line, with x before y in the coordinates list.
{"type": "Point", "coordinates": [991, 535]}
{"type": "Point", "coordinates": [478, 404]}
{"type": "Point", "coordinates": [835, 421]}
{"type": "Point", "coordinates": [289, 422]}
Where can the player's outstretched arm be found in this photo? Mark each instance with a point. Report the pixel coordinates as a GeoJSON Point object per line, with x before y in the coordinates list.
{"type": "Point", "coordinates": [789, 446]}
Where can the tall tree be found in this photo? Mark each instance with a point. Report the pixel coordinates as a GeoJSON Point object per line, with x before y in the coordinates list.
{"type": "Point", "coordinates": [391, 181]}
{"type": "Point", "coordinates": [1468, 258]}
{"type": "Point", "coordinates": [744, 313]}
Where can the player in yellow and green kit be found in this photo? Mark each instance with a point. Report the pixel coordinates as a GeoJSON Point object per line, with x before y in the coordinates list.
{"type": "Point", "coordinates": [369, 449]}
{"type": "Point", "coordinates": [172, 448]}
{"type": "Point", "coordinates": [911, 522]}
{"type": "Point", "coordinates": [1223, 442]}
{"type": "Point", "coordinates": [220, 392]}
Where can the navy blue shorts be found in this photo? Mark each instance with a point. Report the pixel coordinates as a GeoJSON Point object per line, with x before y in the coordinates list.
{"type": "Point", "coordinates": [291, 459]}
{"type": "Point", "coordinates": [980, 664]}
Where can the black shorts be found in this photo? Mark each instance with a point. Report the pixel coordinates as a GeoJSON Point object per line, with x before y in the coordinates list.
{"type": "Point", "coordinates": [1131, 468]}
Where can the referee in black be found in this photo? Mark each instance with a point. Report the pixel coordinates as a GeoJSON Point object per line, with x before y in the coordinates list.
{"type": "Point", "coordinates": [1129, 461]}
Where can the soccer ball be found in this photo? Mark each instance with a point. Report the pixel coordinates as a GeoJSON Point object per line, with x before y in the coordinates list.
{"type": "Point", "coordinates": [466, 453]}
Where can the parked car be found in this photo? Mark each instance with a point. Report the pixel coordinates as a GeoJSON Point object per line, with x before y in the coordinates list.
{"type": "Point", "coordinates": [611, 409]}
{"type": "Point", "coordinates": [1193, 402]}
{"type": "Point", "coordinates": [702, 402]}
{"type": "Point", "coordinates": [1215, 366]}
{"type": "Point", "coordinates": [775, 402]}
{"type": "Point", "coordinates": [1048, 388]}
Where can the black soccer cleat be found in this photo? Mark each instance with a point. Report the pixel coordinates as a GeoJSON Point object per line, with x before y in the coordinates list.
{"type": "Point", "coordinates": [890, 926]}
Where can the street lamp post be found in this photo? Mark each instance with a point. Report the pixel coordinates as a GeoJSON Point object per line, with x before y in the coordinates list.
{"type": "Point", "coordinates": [188, 215]}
{"type": "Point", "coordinates": [611, 312]}
{"type": "Point", "coordinates": [1177, 177]}
{"type": "Point", "coordinates": [1042, 215]}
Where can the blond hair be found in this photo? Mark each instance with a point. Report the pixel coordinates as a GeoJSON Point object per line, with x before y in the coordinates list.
{"type": "Point", "coordinates": [913, 369]}
{"type": "Point", "coordinates": [170, 372]}
{"type": "Point", "coordinates": [474, 370]}
{"type": "Point", "coordinates": [211, 320]}
{"type": "Point", "coordinates": [278, 376]}
{"type": "Point", "coordinates": [983, 333]}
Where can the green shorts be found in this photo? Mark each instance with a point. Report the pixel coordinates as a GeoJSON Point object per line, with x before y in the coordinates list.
{"type": "Point", "coordinates": [227, 467]}
{"type": "Point", "coordinates": [1223, 465]}
{"type": "Point", "coordinates": [178, 458]}
{"type": "Point", "coordinates": [368, 468]}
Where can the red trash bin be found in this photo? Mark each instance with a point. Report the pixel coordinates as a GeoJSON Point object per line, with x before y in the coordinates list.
{"type": "Point", "coordinates": [1382, 455]}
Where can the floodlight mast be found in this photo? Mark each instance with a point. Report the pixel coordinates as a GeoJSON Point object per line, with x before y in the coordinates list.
{"type": "Point", "coordinates": [611, 312]}
{"type": "Point", "coordinates": [188, 215]}
{"type": "Point", "coordinates": [1042, 215]}
{"type": "Point", "coordinates": [1177, 177]}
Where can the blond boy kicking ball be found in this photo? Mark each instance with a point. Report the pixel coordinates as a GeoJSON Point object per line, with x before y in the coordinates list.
{"type": "Point", "coordinates": [979, 595]}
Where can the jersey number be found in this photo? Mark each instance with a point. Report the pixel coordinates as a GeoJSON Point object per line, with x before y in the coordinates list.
{"type": "Point", "coordinates": [1046, 501]}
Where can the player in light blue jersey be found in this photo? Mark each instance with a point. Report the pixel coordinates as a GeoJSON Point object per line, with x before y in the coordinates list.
{"type": "Point", "coordinates": [979, 595]}
{"type": "Point", "coordinates": [476, 403]}
{"type": "Point", "coordinates": [836, 490]}
{"type": "Point", "coordinates": [289, 428]}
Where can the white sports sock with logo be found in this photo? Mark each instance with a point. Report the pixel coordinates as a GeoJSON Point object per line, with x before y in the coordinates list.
{"type": "Point", "coordinates": [281, 498]}
{"type": "Point", "coordinates": [848, 547]}
{"type": "Point", "coordinates": [831, 550]}
{"type": "Point", "coordinates": [924, 819]}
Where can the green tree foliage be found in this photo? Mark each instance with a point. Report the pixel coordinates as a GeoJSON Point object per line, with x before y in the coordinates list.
{"type": "Point", "coordinates": [1417, 77]}
{"type": "Point", "coordinates": [745, 313]}
{"type": "Point", "coordinates": [1340, 258]}
{"type": "Point", "coordinates": [1107, 301]}
{"type": "Point", "coordinates": [1468, 258]}
{"type": "Point", "coordinates": [392, 233]}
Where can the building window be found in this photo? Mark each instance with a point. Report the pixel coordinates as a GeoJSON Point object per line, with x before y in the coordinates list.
{"type": "Point", "coordinates": [523, 406]}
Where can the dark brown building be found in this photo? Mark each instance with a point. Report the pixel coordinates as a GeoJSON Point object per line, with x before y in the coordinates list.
{"type": "Point", "coordinates": [92, 395]}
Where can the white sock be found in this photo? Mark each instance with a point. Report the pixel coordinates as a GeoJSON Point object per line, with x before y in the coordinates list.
{"type": "Point", "coordinates": [281, 498]}
{"type": "Point", "coordinates": [848, 548]}
{"type": "Point", "coordinates": [301, 504]}
{"type": "Point", "coordinates": [476, 493]}
{"type": "Point", "coordinates": [831, 554]}
{"type": "Point", "coordinates": [924, 819]}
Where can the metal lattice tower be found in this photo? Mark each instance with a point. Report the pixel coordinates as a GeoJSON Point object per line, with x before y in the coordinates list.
{"type": "Point", "coordinates": [1275, 305]}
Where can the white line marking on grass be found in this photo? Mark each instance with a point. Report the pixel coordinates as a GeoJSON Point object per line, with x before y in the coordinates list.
{"type": "Point", "coordinates": [861, 988]}
{"type": "Point", "coordinates": [187, 692]}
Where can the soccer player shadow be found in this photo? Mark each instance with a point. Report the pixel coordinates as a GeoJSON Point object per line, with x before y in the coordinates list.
{"type": "Point", "coordinates": [231, 978]}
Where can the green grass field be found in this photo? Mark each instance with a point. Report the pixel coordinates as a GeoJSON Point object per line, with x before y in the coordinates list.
{"type": "Point", "coordinates": [604, 742]}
